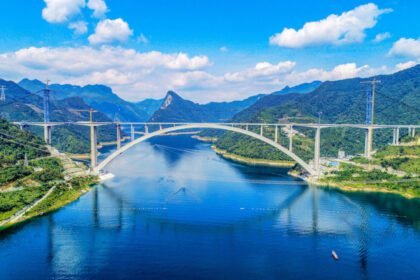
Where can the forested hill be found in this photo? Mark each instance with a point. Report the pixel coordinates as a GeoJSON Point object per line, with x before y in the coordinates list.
{"type": "Point", "coordinates": [100, 97]}
{"type": "Point", "coordinates": [397, 100]}
{"type": "Point", "coordinates": [15, 143]}
{"type": "Point", "coordinates": [176, 109]}
{"type": "Point", "coordinates": [22, 105]}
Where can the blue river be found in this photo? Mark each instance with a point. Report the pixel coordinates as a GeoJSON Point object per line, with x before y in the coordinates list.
{"type": "Point", "coordinates": [176, 210]}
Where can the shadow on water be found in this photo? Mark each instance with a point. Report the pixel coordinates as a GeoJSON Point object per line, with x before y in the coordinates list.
{"type": "Point", "coordinates": [403, 210]}
{"type": "Point", "coordinates": [179, 147]}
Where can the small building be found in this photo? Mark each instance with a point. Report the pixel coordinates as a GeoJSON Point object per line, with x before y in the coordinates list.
{"type": "Point", "coordinates": [341, 154]}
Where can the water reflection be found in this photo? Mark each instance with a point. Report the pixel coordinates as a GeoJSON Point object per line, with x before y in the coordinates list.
{"type": "Point", "coordinates": [195, 215]}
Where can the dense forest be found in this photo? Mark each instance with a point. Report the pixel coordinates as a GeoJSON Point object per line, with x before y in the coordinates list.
{"type": "Point", "coordinates": [397, 101]}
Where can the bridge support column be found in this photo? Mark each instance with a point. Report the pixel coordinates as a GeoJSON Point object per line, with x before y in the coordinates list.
{"type": "Point", "coordinates": [276, 134]}
{"type": "Point", "coordinates": [93, 149]}
{"type": "Point", "coordinates": [413, 132]}
{"type": "Point", "coordinates": [393, 136]}
{"type": "Point", "coordinates": [47, 134]}
{"type": "Point", "coordinates": [22, 126]}
{"type": "Point", "coordinates": [368, 142]}
{"type": "Point", "coordinates": [133, 133]}
{"type": "Point", "coordinates": [246, 127]}
{"type": "Point", "coordinates": [262, 130]}
{"type": "Point", "coordinates": [291, 138]}
{"type": "Point", "coordinates": [397, 136]}
{"type": "Point", "coordinates": [317, 150]}
{"type": "Point", "coordinates": [160, 127]}
{"type": "Point", "coordinates": [118, 136]}
{"type": "Point", "coordinates": [146, 129]}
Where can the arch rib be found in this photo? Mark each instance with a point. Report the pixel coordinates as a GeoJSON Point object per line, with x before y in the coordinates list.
{"type": "Point", "coordinates": [118, 152]}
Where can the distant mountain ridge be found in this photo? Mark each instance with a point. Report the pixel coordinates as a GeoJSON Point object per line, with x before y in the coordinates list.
{"type": "Point", "coordinates": [100, 97]}
{"type": "Point", "coordinates": [302, 88]}
{"type": "Point", "coordinates": [22, 105]}
{"type": "Point", "coordinates": [176, 109]}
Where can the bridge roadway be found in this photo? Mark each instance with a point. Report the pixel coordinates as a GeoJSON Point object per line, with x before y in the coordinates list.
{"type": "Point", "coordinates": [243, 128]}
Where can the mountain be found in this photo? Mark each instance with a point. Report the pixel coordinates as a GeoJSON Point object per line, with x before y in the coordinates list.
{"type": "Point", "coordinates": [397, 100]}
{"type": "Point", "coordinates": [302, 88]}
{"type": "Point", "coordinates": [22, 105]}
{"type": "Point", "coordinates": [150, 106]}
{"type": "Point", "coordinates": [99, 97]}
{"type": "Point", "coordinates": [176, 109]}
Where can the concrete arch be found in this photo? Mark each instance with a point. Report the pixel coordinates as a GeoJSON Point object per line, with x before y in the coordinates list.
{"type": "Point", "coordinates": [118, 152]}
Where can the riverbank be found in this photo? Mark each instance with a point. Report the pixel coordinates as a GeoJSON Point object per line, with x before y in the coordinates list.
{"type": "Point", "coordinates": [57, 197]}
{"type": "Point", "coordinates": [252, 161]}
{"type": "Point", "coordinates": [353, 186]}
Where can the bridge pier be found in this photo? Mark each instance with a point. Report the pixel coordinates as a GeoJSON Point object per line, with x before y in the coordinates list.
{"type": "Point", "coordinates": [276, 134]}
{"type": "Point", "coordinates": [133, 133]}
{"type": "Point", "coordinates": [291, 138]}
{"type": "Point", "coordinates": [317, 153]}
{"type": "Point", "coordinates": [146, 129]}
{"type": "Point", "coordinates": [397, 136]}
{"type": "Point", "coordinates": [47, 134]}
{"type": "Point", "coordinates": [118, 136]}
{"type": "Point", "coordinates": [368, 142]}
{"type": "Point", "coordinates": [262, 130]}
{"type": "Point", "coordinates": [413, 132]}
{"type": "Point", "coordinates": [93, 148]}
{"type": "Point", "coordinates": [246, 127]}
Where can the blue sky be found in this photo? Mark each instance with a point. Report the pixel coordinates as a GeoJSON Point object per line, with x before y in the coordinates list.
{"type": "Point", "coordinates": [205, 50]}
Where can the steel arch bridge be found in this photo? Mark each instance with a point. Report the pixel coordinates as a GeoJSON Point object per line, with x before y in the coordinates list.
{"type": "Point", "coordinates": [163, 131]}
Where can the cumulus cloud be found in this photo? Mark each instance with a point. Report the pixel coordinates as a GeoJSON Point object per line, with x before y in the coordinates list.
{"type": "Point", "coordinates": [60, 11]}
{"type": "Point", "coordinates": [406, 47]}
{"type": "Point", "coordinates": [110, 30]}
{"type": "Point", "coordinates": [349, 27]}
{"type": "Point", "coordinates": [99, 8]}
{"type": "Point", "coordinates": [381, 37]}
{"type": "Point", "coordinates": [79, 27]}
{"type": "Point", "coordinates": [261, 70]}
{"type": "Point", "coordinates": [136, 75]}
{"type": "Point", "coordinates": [405, 65]}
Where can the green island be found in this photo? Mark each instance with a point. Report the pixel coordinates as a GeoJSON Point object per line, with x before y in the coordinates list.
{"type": "Point", "coordinates": [34, 180]}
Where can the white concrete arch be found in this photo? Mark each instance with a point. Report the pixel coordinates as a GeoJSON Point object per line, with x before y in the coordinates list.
{"type": "Point", "coordinates": [118, 152]}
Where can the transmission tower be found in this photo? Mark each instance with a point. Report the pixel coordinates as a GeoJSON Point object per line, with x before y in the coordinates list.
{"type": "Point", "coordinates": [370, 101]}
{"type": "Point", "coordinates": [370, 114]}
{"type": "Point", "coordinates": [2, 93]}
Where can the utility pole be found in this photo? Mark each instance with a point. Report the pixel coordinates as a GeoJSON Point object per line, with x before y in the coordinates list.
{"type": "Point", "coordinates": [370, 115]}
{"type": "Point", "coordinates": [3, 93]}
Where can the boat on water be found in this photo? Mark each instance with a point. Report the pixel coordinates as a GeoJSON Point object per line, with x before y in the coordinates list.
{"type": "Point", "coordinates": [334, 255]}
{"type": "Point", "coordinates": [106, 176]}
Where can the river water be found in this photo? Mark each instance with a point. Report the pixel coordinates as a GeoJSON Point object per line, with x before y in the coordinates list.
{"type": "Point", "coordinates": [175, 210]}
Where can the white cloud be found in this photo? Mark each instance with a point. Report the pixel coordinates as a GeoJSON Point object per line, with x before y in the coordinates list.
{"type": "Point", "coordinates": [111, 30]}
{"type": "Point", "coordinates": [261, 70]}
{"type": "Point", "coordinates": [349, 27]}
{"type": "Point", "coordinates": [381, 37]}
{"type": "Point", "coordinates": [406, 47]}
{"type": "Point", "coordinates": [60, 11]}
{"type": "Point", "coordinates": [224, 49]}
{"type": "Point", "coordinates": [99, 8]}
{"type": "Point", "coordinates": [79, 27]}
{"type": "Point", "coordinates": [136, 75]}
{"type": "Point", "coordinates": [182, 61]}
{"type": "Point", "coordinates": [142, 39]}
{"type": "Point", "coordinates": [405, 65]}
